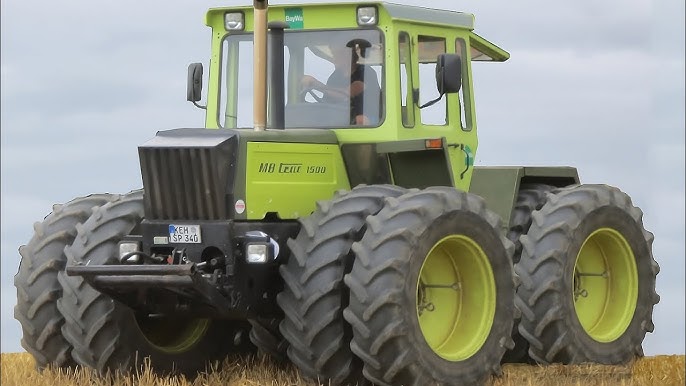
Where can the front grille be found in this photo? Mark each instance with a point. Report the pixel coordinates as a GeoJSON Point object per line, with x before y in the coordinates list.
{"type": "Point", "coordinates": [187, 183]}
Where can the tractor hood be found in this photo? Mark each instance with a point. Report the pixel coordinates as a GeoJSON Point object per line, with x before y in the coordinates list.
{"type": "Point", "coordinates": [222, 174]}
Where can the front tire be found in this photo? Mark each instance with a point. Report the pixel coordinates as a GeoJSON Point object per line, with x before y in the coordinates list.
{"type": "Point", "coordinates": [587, 278]}
{"type": "Point", "coordinates": [314, 295]}
{"type": "Point", "coordinates": [36, 281]}
{"type": "Point", "coordinates": [431, 291]}
{"type": "Point", "coordinates": [107, 335]}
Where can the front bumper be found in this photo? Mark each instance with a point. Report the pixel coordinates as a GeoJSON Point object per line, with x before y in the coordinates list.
{"type": "Point", "coordinates": [213, 280]}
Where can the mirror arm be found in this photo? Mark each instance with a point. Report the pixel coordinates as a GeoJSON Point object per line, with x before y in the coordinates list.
{"type": "Point", "coordinates": [431, 103]}
{"type": "Point", "coordinates": [199, 106]}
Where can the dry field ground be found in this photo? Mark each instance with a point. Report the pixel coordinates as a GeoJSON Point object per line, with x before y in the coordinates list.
{"type": "Point", "coordinates": [18, 369]}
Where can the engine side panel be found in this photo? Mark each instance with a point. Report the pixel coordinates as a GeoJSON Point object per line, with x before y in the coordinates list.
{"type": "Point", "coordinates": [288, 178]}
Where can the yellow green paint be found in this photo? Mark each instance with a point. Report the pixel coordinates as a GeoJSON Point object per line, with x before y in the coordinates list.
{"type": "Point", "coordinates": [460, 318]}
{"type": "Point", "coordinates": [605, 285]}
{"type": "Point", "coordinates": [288, 178]}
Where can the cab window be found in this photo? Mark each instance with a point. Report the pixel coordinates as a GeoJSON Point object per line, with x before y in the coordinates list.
{"type": "Point", "coordinates": [464, 95]}
{"type": "Point", "coordinates": [333, 79]}
{"type": "Point", "coordinates": [406, 104]}
{"type": "Point", "coordinates": [429, 49]}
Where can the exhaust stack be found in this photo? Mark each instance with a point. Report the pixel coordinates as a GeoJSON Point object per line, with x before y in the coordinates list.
{"type": "Point", "coordinates": [276, 87]}
{"type": "Point", "coordinates": [260, 63]}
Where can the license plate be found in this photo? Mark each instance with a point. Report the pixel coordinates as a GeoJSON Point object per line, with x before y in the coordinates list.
{"type": "Point", "coordinates": [186, 234]}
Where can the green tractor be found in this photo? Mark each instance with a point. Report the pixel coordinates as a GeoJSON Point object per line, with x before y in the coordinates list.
{"type": "Point", "coordinates": [330, 214]}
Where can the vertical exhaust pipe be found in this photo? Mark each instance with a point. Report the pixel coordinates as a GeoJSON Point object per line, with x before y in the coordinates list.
{"type": "Point", "coordinates": [277, 99]}
{"type": "Point", "coordinates": [260, 65]}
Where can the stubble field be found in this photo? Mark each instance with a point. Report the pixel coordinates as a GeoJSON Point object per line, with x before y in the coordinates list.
{"type": "Point", "coordinates": [18, 369]}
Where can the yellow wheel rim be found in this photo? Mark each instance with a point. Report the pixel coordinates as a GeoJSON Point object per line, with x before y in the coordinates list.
{"type": "Point", "coordinates": [456, 298]}
{"type": "Point", "coordinates": [173, 336]}
{"type": "Point", "coordinates": [605, 286]}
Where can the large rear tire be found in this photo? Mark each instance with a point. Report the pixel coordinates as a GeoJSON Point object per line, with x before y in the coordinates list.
{"type": "Point", "coordinates": [107, 335]}
{"type": "Point", "coordinates": [431, 291]}
{"type": "Point", "coordinates": [531, 197]}
{"type": "Point", "coordinates": [36, 281]}
{"type": "Point", "coordinates": [314, 295]}
{"type": "Point", "coordinates": [587, 278]}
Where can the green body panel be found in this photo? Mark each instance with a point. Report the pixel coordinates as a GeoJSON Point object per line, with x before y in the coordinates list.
{"type": "Point", "coordinates": [460, 143]}
{"type": "Point", "coordinates": [288, 178]}
{"type": "Point", "coordinates": [499, 185]}
{"type": "Point", "coordinates": [310, 136]}
{"type": "Point", "coordinates": [412, 165]}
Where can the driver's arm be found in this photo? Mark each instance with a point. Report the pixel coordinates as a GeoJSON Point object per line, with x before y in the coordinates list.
{"type": "Point", "coordinates": [311, 83]}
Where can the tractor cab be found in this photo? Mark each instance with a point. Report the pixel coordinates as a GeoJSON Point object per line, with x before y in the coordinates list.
{"type": "Point", "coordinates": [372, 67]}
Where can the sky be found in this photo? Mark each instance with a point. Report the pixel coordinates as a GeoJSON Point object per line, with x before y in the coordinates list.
{"type": "Point", "coordinates": [595, 84]}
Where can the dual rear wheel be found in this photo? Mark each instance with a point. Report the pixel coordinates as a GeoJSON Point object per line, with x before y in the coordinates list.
{"type": "Point", "coordinates": [416, 284]}
{"type": "Point", "coordinates": [587, 278]}
{"type": "Point", "coordinates": [431, 291]}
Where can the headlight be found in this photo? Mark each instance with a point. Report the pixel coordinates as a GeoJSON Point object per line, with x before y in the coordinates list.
{"type": "Point", "coordinates": [257, 252]}
{"type": "Point", "coordinates": [126, 247]}
{"type": "Point", "coordinates": [233, 21]}
{"type": "Point", "coordinates": [366, 16]}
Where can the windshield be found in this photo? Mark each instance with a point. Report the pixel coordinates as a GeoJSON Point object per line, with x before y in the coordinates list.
{"type": "Point", "coordinates": [332, 79]}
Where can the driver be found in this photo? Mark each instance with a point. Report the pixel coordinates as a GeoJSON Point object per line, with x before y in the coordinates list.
{"type": "Point", "coordinates": [350, 81]}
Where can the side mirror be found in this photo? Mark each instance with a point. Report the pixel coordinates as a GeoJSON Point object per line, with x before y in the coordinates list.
{"type": "Point", "coordinates": [448, 73]}
{"type": "Point", "coordinates": [194, 85]}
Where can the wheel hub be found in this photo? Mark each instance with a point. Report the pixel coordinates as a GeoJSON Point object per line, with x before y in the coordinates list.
{"type": "Point", "coordinates": [455, 302]}
{"type": "Point", "coordinates": [423, 303]}
{"type": "Point", "coordinates": [172, 335]}
{"type": "Point", "coordinates": [605, 285]}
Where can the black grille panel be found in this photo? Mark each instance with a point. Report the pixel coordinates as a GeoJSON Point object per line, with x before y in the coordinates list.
{"type": "Point", "coordinates": [187, 183]}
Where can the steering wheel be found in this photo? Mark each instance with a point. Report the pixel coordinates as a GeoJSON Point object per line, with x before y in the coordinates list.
{"type": "Point", "coordinates": [310, 91]}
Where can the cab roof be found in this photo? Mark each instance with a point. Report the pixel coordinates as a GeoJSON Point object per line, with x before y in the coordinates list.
{"type": "Point", "coordinates": [429, 15]}
{"type": "Point", "coordinates": [403, 12]}
{"type": "Point", "coordinates": [396, 12]}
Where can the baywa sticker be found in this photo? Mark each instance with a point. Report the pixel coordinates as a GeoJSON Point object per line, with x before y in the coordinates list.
{"type": "Point", "coordinates": [294, 18]}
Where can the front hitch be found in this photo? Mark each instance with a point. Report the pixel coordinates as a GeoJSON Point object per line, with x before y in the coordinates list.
{"type": "Point", "coordinates": [159, 288]}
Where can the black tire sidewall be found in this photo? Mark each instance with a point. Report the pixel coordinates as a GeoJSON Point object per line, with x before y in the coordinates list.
{"type": "Point", "coordinates": [488, 238]}
{"type": "Point", "coordinates": [326, 356]}
{"type": "Point", "coordinates": [46, 250]}
{"type": "Point", "coordinates": [618, 220]}
{"type": "Point", "coordinates": [120, 339]}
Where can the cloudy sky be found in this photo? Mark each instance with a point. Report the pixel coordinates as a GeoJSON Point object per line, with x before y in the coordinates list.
{"type": "Point", "coordinates": [596, 84]}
